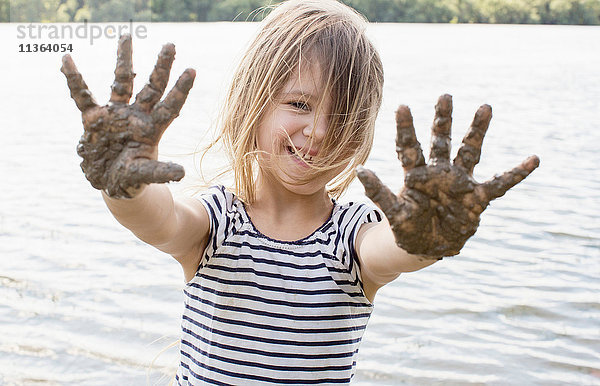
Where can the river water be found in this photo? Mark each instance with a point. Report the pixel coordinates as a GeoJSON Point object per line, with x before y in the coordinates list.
{"type": "Point", "coordinates": [82, 301]}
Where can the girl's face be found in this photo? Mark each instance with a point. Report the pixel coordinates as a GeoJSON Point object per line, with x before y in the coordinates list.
{"type": "Point", "coordinates": [296, 119]}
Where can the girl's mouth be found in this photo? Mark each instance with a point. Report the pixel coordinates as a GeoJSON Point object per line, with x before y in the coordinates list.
{"type": "Point", "coordinates": [301, 159]}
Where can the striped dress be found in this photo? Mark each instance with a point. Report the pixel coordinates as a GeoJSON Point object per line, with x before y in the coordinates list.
{"type": "Point", "coordinates": [261, 311]}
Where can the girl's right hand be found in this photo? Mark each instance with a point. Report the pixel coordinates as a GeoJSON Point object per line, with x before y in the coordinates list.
{"type": "Point", "coordinates": [120, 140]}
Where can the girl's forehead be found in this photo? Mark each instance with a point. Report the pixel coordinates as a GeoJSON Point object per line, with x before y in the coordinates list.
{"type": "Point", "coordinates": [305, 80]}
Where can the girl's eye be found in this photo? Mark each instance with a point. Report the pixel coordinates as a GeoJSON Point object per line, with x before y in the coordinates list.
{"type": "Point", "coordinates": [299, 105]}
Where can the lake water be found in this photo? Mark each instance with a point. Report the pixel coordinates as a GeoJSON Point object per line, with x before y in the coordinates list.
{"type": "Point", "coordinates": [82, 301]}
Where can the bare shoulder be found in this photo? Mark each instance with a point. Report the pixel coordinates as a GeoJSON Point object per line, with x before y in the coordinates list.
{"type": "Point", "coordinates": [363, 231]}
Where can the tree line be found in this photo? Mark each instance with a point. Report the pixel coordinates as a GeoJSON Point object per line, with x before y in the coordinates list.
{"type": "Point", "coordinates": [582, 12]}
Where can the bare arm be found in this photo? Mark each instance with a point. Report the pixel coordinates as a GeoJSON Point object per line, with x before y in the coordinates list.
{"type": "Point", "coordinates": [177, 227]}
{"type": "Point", "coordinates": [381, 259]}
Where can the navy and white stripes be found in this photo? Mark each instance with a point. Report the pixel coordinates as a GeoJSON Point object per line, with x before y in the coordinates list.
{"type": "Point", "coordinates": [263, 311]}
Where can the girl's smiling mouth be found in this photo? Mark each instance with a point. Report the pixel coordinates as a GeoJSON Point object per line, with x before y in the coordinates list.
{"type": "Point", "coordinates": [302, 159]}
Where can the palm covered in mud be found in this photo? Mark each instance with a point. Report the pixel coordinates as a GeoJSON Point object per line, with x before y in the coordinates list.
{"type": "Point", "coordinates": [120, 140]}
{"type": "Point", "coordinates": [440, 205]}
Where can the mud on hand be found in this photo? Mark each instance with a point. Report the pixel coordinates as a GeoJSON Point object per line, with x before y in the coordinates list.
{"type": "Point", "coordinates": [439, 207]}
{"type": "Point", "coordinates": [120, 140]}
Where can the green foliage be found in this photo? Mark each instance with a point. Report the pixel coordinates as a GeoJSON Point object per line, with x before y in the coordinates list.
{"type": "Point", "coordinates": [238, 10]}
{"type": "Point", "coordinates": [4, 10]}
{"type": "Point", "coordinates": [121, 10]}
{"type": "Point", "coordinates": [381, 10]}
{"type": "Point", "coordinates": [506, 11]}
{"type": "Point", "coordinates": [170, 10]}
{"type": "Point", "coordinates": [34, 10]}
{"type": "Point", "coordinates": [68, 9]}
{"type": "Point", "coordinates": [409, 11]}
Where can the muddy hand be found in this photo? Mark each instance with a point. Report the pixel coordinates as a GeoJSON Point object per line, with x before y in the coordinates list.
{"type": "Point", "coordinates": [439, 207]}
{"type": "Point", "coordinates": [120, 140]}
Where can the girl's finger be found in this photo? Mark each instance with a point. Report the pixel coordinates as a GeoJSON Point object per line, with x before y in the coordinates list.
{"type": "Point", "coordinates": [380, 194]}
{"type": "Point", "coordinates": [79, 90]}
{"type": "Point", "coordinates": [164, 112]}
{"type": "Point", "coordinates": [407, 146]}
{"type": "Point", "coordinates": [122, 88]}
{"type": "Point", "coordinates": [497, 186]}
{"type": "Point", "coordinates": [440, 131]}
{"type": "Point", "coordinates": [145, 171]}
{"type": "Point", "coordinates": [154, 89]}
{"type": "Point", "coordinates": [470, 150]}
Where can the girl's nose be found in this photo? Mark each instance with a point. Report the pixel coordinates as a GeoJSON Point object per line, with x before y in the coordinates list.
{"type": "Point", "coordinates": [316, 131]}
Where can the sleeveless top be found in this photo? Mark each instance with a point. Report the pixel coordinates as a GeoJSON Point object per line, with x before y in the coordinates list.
{"type": "Point", "coordinates": [263, 311]}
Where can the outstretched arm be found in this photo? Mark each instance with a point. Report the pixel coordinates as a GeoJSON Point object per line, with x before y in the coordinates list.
{"type": "Point", "coordinates": [177, 227]}
{"type": "Point", "coordinates": [119, 148]}
{"type": "Point", "coordinates": [439, 207]}
{"type": "Point", "coordinates": [381, 259]}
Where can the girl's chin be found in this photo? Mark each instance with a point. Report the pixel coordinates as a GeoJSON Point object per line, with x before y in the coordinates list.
{"type": "Point", "coordinates": [304, 189]}
{"type": "Point", "coordinates": [292, 179]}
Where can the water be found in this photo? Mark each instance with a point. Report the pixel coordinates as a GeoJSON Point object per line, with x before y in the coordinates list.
{"type": "Point", "coordinates": [83, 301]}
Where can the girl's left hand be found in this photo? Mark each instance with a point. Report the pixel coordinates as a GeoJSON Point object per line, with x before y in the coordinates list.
{"type": "Point", "coordinates": [439, 207]}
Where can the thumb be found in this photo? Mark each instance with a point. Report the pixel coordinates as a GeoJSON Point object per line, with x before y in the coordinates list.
{"type": "Point", "coordinates": [151, 171]}
{"type": "Point", "coordinates": [380, 194]}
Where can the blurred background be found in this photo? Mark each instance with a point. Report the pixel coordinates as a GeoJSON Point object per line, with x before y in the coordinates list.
{"type": "Point", "coordinates": [405, 11]}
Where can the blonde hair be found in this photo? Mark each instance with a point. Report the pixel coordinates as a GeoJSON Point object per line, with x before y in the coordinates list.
{"type": "Point", "coordinates": [333, 34]}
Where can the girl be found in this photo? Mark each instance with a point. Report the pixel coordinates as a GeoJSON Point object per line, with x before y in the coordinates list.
{"type": "Point", "coordinates": [280, 277]}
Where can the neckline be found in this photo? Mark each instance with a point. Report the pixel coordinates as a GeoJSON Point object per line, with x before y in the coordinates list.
{"type": "Point", "coordinates": [289, 242]}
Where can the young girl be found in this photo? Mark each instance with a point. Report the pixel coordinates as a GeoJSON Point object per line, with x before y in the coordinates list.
{"type": "Point", "coordinates": [280, 277]}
